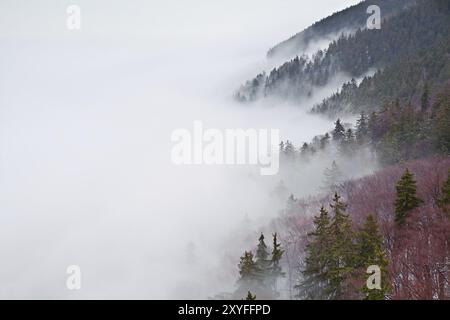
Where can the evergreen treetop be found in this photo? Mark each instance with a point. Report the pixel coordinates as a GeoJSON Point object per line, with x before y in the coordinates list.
{"type": "Point", "coordinates": [406, 199]}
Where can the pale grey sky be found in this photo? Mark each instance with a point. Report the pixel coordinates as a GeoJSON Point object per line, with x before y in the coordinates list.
{"type": "Point", "coordinates": [272, 19]}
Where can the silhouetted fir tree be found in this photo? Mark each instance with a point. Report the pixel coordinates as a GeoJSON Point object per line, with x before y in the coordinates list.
{"type": "Point", "coordinates": [342, 256]}
{"type": "Point", "coordinates": [406, 199]}
{"type": "Point", "coordinates": [370, 252]}
{"type": "Point", "coordinates": [315, 284]}
{"type": "Point", "coordinates": [362, 129]}
{"type": "Point", "coordinates": [275, 269]}
{"type": "Point", "coordinates": [339, 131]}
{"type": "Point", "coordinates": [261, 256]}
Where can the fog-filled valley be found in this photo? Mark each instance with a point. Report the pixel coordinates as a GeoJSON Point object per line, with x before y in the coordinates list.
{"type": "Point", "coordinates": [87, 118]}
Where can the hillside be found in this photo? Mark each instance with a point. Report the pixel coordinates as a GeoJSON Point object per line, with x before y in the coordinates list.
{"type": "Point", "coordinates": [408, 36]}
{"type": "Point", "coordinates": [395, 218]}
{"type": "Point", "coordinates": [348, 20]}
{"type": "Point", "coordinates": [413, 253]}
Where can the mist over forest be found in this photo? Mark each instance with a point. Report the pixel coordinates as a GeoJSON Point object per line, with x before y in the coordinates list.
{"type": "Point", "coordinates": [87, 179]}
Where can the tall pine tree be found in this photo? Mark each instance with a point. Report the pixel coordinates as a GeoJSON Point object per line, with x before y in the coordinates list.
{"type": "Point", "coordinates": [342, 255]}
{"type": "Point", "coordinates": [262, 255]}
{"type": "Point", "coordinates": [275, 269]}
{"type": "Point", "coordinates": [339, 131]}
{"type": "Point", "coordinates": [250, 274]}
{"type": "Point", "coordinates": [406, 199]}
{"type": "Point", "coordinates": [315, 284]}
{"type": "Point", "coordinates": [369, 253]}
{"type": "Point", "coordinates": [362, 129]}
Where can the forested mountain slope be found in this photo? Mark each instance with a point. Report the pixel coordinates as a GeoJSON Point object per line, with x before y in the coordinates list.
{"type": "Point", "coordinates": [348, 20]}
{"type": "Point", "coordinates": [415, 77]}
{"type": "Point", "coordinates": [407, 36]}
{"type": "Point", "coordinates": [397, 217]}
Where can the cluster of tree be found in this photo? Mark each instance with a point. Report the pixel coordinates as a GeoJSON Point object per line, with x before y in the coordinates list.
{"type": "Point", "coordinates": [414, 30]}
{"type": "Point", "coordinates": [394, 220]}
{"type": "Point", "coordinates": [338, 257]}
{"type": "Point", "coordinates": [345, 139]}
{"type": "Point", "coordinates": [399, 133]}
{"type": "Point", "coordinates": [260, 272]}
{"type": "Point", "coordinates": [396, 133]}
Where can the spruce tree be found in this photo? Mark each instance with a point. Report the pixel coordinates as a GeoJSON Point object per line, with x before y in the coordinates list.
{"type": "Point", "coordinates": [262, 255]}
{"type": "Point", "coordinates": [370, 252]}
{"type": "Point", "coordinates": [342, 256]}
{"type": "Point", "coordinates": [362, 129]}
{"type": "Point", "coordinates": [315, 274]}
{"type": "Point", "coordinates": [339, 131]}
{"type": "Point", "coordinates": [406, 199]}
{"type": "Point", "coordinates": [275, 271]}
{"type": "Point", "coordinates": [250, 275]}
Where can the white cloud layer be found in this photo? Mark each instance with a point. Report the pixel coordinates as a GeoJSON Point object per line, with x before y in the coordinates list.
{"type": "Point", "coordinates": [85, 125]}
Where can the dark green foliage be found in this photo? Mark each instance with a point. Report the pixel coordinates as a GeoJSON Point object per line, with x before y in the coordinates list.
{"type": "Point", "coordinates": [331, 255]}
{"type": "Point", "coordinates": [342, 257]}
{"type": "Point", "coordinates": [248, 269]}
{"type": "Point", "coordinates": [370, 252]}
{"type": "Point", "coordinates": [260, 274]}
{"type": "Point", "coordinates": [406, 199]}
{"type": "Point", "coordinates": [317, 263]}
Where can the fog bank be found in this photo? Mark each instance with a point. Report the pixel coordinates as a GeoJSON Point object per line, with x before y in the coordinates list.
{"type": "Point", "coordinates": [85, 123]}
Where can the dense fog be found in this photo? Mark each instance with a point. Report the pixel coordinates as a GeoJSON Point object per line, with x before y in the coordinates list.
{"type": "Point", "coordinates": [86, 117]}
